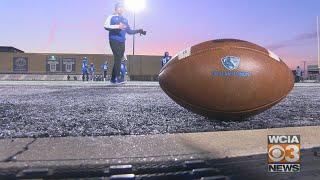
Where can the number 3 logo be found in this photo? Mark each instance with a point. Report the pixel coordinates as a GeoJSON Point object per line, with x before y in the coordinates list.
{"type": "Point", "coordinates": [294, 153]}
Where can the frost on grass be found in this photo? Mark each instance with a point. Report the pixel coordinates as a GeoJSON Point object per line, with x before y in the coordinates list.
{"type": "Point", "coordinates": [47, 111]}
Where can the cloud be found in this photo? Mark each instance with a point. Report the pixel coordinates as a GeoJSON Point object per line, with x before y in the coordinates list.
{"type": "Point", "coordinates": [296, 41]}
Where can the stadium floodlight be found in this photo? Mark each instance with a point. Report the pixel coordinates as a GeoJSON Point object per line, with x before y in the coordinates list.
{"type": "Point", "coordinates": [134, 6]}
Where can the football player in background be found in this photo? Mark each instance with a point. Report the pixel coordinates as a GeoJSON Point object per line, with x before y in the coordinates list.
{"type": "Point", "coordinates": [123, 68]}
{"type": "Point", "coordinates": [298, 74]}
{"type": "Point", "coordinates": [92, 70]}
{"type": "Point", "coordinates": [104, 68]}
{"type": "Point", "coordinates": [165, 59]}
{"type": "Point", "coordinates": [85, 73]}
{"type": "Point", "coordinates": [118, 27]}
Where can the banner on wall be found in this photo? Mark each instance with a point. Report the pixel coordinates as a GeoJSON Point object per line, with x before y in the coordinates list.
{"type": "Point", "coordinates": [68, 65]}
{"type": "Point", "coordinates": [57, 64]}
{"type": "Point", "coordinates": [20, 64]}
{"type": "Point", "coordinates": [53, 64]}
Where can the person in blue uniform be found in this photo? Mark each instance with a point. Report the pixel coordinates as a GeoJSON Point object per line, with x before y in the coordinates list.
{"type": "Point", "coordinates": [123, 69]}
{"type": "Point", "coordinates": [118, 27]}
{"type": "Point", "coordinates": [92, 70]}
{"type": "Point", "coordinates": [105, 67]}
{"type": "Point", "coordinates": [165, 59]}
{"type": "Point", "coordinates": [85, 73]}
{"type": "Point", "coordinates": [298, 74]}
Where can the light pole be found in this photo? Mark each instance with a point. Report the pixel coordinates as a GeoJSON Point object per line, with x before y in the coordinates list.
{"type": "Point", "coordinates": [134, 6]}
{"type": "Point", "coordinates": [318, 35]}
{"type": "Point", "coordinates": [134, 27]}
{"type": "Point", "coordinates": [304, 69]}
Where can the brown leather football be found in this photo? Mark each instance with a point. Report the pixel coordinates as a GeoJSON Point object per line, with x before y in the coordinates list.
{"type": "Point", "coordinates": [226, 79]}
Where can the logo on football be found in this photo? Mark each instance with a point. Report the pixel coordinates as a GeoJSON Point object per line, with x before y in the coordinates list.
{"type": "Point", "coordinates": [231, 62]}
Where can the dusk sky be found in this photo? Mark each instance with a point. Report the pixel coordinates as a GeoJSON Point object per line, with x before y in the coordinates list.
{"type": "Point", "coordinates": [288, 27]}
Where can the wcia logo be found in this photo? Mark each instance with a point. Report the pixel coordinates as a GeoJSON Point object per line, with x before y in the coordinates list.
{"type": "Point", "coordinates": [231, 63]}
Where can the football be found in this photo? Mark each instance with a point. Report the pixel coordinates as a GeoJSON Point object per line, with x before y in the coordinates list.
{"type": "Point", "coordinates": [226, 79]}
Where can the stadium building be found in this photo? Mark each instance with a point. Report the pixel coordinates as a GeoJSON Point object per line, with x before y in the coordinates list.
{"type": "Point", "coordinates": [15, 63]}
{"type": "Point", "coordinates": [313, 72]}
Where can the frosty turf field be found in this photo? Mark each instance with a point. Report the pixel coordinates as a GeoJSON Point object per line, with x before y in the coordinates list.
{"type": "Point", "coordinates": [55, 109]}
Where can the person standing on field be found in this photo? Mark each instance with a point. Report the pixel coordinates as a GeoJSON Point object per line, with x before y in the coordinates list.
{"type": "Point", "coordinates": [118, 27]}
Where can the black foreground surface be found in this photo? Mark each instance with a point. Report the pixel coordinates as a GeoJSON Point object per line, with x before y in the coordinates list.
{"type": "Point", "coordinates": [238, 168]}
{"type": "Point", "coordinates": [55, 111]}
